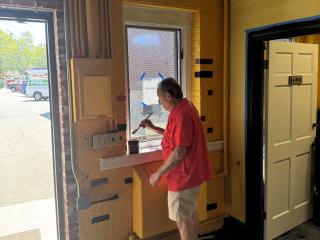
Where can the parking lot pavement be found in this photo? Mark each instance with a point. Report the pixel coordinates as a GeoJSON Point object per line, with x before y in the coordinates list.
{"type": "Point", "coordinates": [26, 167]}
{"type": "Point", "coordinates": [26, 163]}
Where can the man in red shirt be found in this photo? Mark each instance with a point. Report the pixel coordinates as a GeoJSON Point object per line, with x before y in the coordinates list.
{"type": "Point", "coordinates": [185, 155]}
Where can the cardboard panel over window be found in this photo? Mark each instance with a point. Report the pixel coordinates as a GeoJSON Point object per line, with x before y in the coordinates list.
{"type": "Point", "coordinates": [92, 88]}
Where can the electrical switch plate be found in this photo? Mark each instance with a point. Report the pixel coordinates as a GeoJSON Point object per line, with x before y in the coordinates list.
{"type": "Point", "coordinates": [83, 202]}
{"type": "Point", "coordinates": [105, 140]}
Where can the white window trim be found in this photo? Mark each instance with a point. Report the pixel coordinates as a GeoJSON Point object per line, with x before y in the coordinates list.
{"type": "Point", "coordinates": [137, 159]}
{"type": "Point", "coordinates": [154, 17]}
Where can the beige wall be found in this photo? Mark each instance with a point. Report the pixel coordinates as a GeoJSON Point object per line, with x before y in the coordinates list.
{"type": "Point", "coordinates": [246, 14]}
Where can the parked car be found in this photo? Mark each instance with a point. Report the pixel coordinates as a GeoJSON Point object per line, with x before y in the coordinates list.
{"type": "Point", "coordinates": [14, 84]}
{"type": "Point", "coordinates": [37, 83]}
{"type": "Point", "coordinates": [38, 89]}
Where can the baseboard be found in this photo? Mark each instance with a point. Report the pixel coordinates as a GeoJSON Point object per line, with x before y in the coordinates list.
{"type": "Point", "coordinates": [235, 225]}
{"type": "Point", "coordinates": [212, 224]}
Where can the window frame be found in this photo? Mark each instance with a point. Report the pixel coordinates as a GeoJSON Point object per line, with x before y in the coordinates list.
{"type": "Point", "coordinates": [178, 47]}
{"type": "Point", "coordinates": [152, 17]}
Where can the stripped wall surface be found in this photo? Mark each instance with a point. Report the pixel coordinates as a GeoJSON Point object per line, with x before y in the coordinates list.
{"type": "Point", "coordinates": [99, 35]}
{"type": "Point", "coordinates": [206, 87]}
{"type": "Point", "coordinates": [69, 226]}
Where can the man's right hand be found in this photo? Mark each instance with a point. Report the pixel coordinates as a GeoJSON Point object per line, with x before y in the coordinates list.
{"type": "Point", "coordinates": [147, 123]}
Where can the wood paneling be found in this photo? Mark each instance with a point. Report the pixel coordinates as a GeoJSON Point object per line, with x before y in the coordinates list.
{"type": "Point", "coordinates": [207, 43]}
{"type": "Point", "coordinates": [215, 197]}
{"type": "Point", "coordinates": [149, 203]}
{"type": "Point", "coordinates": [87, 76]}
{"type": "Point", "coordinates": [146, 198]}
{"type": "Point", "coordinates": [107, 220]}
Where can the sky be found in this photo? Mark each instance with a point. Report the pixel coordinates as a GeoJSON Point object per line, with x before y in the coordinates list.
{"type": "Point", "coordinates": [37, 29]}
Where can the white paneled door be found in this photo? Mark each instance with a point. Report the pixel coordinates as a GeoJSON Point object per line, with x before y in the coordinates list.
{"type": "Point", "coordinates": [290, 114]}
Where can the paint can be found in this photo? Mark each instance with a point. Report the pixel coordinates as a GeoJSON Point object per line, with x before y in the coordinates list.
{"type": "Point", "coordinates": [133, 146]}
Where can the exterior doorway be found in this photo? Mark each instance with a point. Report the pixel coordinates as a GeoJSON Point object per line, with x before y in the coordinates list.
{"type": "Point", "coordinates": [29, 125]}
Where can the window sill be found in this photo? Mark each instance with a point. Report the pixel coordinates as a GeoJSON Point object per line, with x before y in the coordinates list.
{"type": "Point", "coordinates": [147, 155]}
{"type": "Point", "coordinates": [130, 160]}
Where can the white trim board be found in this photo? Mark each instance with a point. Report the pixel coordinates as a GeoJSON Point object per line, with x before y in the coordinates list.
{"type": "Point", "coordinates": [142, 158]}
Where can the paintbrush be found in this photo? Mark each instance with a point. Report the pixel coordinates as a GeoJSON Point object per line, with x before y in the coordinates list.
{"type": "Point", "coordinates": [135, 130]}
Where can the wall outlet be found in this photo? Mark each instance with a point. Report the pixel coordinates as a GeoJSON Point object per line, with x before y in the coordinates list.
{"type": "Point", "coordinates": [106, 139]}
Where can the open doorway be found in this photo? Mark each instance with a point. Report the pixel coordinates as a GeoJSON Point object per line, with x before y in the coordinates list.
{"type": "Point", "coordinates": [255, 188]}
{"type": "Point", "coordinates": [291, 106]}
{"type": "Point", "coordinates": [28, 114]}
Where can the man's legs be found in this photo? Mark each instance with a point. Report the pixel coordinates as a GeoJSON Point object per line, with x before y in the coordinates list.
{"type": "Point", "coordinates": [196, 222]}
{"type": "Point", "coordinates": [183, 210]}
{"type": "Point", "coordinates": [189, 228]}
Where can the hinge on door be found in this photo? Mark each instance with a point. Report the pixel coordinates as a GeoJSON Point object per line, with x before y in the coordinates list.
{"type": "Point", "coordinates": [181, 53]}
{"type": "Point", "coordinates": [266, 64]}
{"type": "Point", "coordinates": [264, 214]}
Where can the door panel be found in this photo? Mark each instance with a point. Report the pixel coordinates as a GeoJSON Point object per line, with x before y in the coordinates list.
{"type": "Point", "coordinates": [282, 112]}
{"type": "Point", "coordinates": [302, 96]}
{"type": "Point", "coordinates": [285, 64]}
{"type": "Point", "coordinates": [300, 180]}
{"type": "Point", "coordinates": [290, 112]}
{"type": "Point", "coordinates": [280, 176]}
{"type": "Point", "coordinates": [304, 63]}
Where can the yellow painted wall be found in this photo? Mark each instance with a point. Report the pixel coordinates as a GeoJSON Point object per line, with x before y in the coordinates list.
{"type": "Point", "coordinates": [246, 14]}
{"type": "Point", "coordinates": [207, 43]}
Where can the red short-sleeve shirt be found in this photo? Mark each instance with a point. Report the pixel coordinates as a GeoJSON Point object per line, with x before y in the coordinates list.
{"type": "Point", "coordinates": [184, 129]}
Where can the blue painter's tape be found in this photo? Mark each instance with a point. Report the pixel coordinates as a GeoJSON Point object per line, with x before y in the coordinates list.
{"type": "Point", "coordinates": [161, 76]}
{"type": "Point", "coordinates": [142, 76]}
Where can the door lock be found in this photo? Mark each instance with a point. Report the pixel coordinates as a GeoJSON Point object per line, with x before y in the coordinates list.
{"type": "Point", "coordinates": [315, 125]}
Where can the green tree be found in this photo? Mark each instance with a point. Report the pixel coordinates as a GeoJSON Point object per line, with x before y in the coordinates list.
{"type": "Point", "coordinates": [39, 56]}
{"type": "Point", "coordinates": [18, 54]}
{"type": "Point", "coordinates": [7, 52]}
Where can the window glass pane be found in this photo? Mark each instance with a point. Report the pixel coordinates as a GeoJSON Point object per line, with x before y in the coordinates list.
{"type": "Point", "coordinates": [151, 57]}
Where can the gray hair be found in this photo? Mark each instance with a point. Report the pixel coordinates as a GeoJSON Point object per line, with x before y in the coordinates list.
{"type": "Point", "coordinates": [170, 85]}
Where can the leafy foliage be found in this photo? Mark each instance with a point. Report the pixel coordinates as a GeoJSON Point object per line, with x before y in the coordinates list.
{"type": "Point", "coordinates": [18, 54]}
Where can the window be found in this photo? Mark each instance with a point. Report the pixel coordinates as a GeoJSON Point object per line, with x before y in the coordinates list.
{"type": "Point", "coordinates": [153, 54]}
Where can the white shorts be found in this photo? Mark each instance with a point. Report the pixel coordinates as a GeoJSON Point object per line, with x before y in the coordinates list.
{"type": "Point", "coordinates": [182, 204]}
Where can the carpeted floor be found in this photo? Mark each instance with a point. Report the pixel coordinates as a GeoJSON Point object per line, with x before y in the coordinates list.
{"type": "Point", "coordinates": [306, 231]}
{"type": "Point", "coordinates": [33, 234]}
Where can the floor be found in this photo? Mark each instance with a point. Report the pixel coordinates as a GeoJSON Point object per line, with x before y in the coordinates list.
{"type": "Point", "coordinates": [306, 231]}
{"type": "Point", "coordinates": [233, 231]}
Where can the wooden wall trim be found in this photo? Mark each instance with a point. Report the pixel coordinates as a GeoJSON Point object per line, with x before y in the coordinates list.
{"type": "Point", "coordinates": [225, 116]}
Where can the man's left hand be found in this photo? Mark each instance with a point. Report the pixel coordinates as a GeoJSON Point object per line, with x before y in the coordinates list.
{"type": "Point", "coordinates": [154, 179]}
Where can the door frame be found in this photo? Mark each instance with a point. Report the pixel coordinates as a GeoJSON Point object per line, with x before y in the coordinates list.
{"type": "Point", "coordinates": [254, 78]}
{"type": "Point", "coordinates": [47, 17]}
